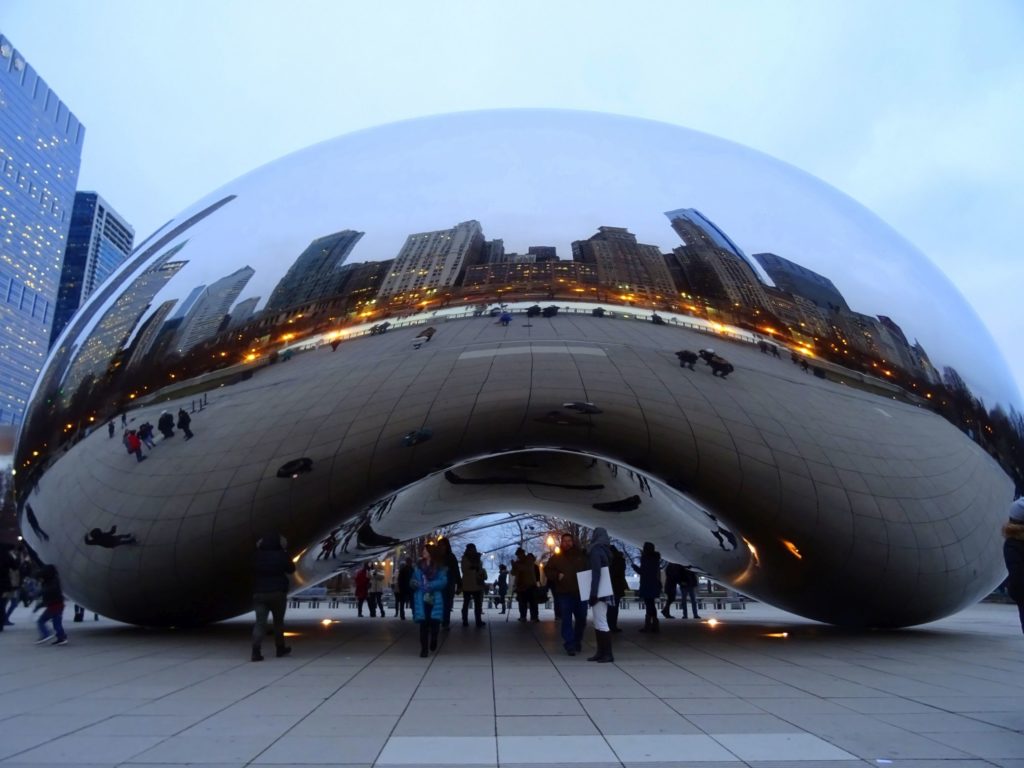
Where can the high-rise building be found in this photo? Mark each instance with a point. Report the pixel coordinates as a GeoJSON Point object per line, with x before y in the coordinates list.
{"type": "Point", "coordinates": [543, 252]}
{"type": "Point", "coordinates": [314, 273]}
{"type": "Point", "coordinates": [243, 312]}
{"type": "Point", "coordinates": [148, 333]}
{"type": "Point", "coordinates": [117, 323]}
{"type": "Point", "coordinates": [715, 267]}
{"type": "Point", "coordinates": [799, 280]}
{"type": "Point", "coordinates": [494, 252]}
{"type": "Point", "coordinates": [431, 261]}
{"type": "Point", "coordinates": [203, 321]}
{"type": "Point", "coordinates": [188, 302]}
{"type": "Point", "coordinates": [40, 153]}
{"type": "Point", "coordinates": [99, 241]}
{"type": "Point", "coordinates": [626, 266]}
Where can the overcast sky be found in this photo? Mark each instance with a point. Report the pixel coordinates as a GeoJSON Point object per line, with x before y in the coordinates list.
{"type": "Point", "coordinates": [915, 109]}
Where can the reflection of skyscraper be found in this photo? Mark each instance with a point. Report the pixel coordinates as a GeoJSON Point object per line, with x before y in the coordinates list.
{"type": "Point", "coordinates": [147, 334]}
{"type": "Point", "coordinates": [543, 252]}
{"type": "Point", "coordinates": [713, 264]}
{"type": "Point", "coordinates": [797, 279]}
{"type": "Point", "coordinates": [242, 311]}
{"type": "Point", "coordinates": [430, 261]}
{"type": "Point", "coordinates": [188, 302]}
{"type": "Point", "coordinates": [118, 322]}
{"type": "Point", "coordinates": [313, 273]}
{"type": "Point", "coordinates": [494, 252]}
{"type": "Point", "coordinates": [204, 319]}
{"type": "Point", "coordinates": [99, 241]}
{"type": "Point", "coordinates": [625, 265]}
{"type": "Point", "coordinates": [40, 153]}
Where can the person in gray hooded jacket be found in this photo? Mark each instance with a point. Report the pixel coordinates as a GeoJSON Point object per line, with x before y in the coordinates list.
{"type": "Point", "coordinates": [600, 557]}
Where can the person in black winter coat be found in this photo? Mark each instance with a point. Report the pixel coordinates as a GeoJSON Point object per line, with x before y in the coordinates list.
{"type": "Point", "coordinates": [1013, 555]}
{"type": "Point", "coordinates": [184, 420]}
{"type": "Point", "coordinates": [454, 584]}
{"type": "Point", "coordinates": [270, 591]}
{"type": "Point", "coordinates": [166, 425]}
{"type": "Point", "coordinates": [650, 584]}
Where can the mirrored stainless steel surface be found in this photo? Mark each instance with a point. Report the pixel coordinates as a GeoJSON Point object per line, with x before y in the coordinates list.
{"type": "Point", "coordinates": [503, 311]}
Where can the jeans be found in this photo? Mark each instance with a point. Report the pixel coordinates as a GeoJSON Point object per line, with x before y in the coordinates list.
{"type": "Point", "coordinates": [273, 603]}
{"type": "Point", "coordinates": [572, 608]}
{"type": "Point", "coordinates": [55, 614]}
{"type": "Point", "coordinates": [377, 604]}
{"type": "Point", "coordinates": [428, 627]}
{"type": "Point", "coordinates": [690, 592]}
{"type": "Point", "coordinates": [477, 598]}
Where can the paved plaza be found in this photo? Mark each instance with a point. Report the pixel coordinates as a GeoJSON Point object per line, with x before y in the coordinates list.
{"type": "Point", "coordinates": [761, 688]}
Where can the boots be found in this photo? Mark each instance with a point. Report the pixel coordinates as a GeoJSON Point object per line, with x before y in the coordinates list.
{"type": "Point", "coordinates": [655, 624]}
{"type": "Point", "coordinates": [257, 655]}
{"type": "Point", "coordinates": [604, 648]}
{"type": "Point", "coordinates": [283, 650]}
{"type": "Point", "coordinates": [613, 618]}
{"type": "Point", "coordinates": [666, 611]}
{"type": "Point", "coordinates": [647, 623]}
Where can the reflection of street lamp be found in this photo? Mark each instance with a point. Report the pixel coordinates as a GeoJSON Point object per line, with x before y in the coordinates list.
{"type": "Point", "coordinates": [550, 541]}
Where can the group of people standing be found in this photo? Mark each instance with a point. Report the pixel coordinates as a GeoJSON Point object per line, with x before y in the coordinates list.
{"type": "Point", "coordinates": [134, 439]}
{"type": "Point", "coordinates": [22, 581]}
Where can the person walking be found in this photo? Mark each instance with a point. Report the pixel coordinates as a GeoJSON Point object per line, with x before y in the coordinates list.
{"type": "Point", "coordinates": [429, 582]}
{"type": "Point", "coordinates": [271, 568]}
{"type": "Point", "coordinates": [673, 580]}
{"type": "Point", "coordinates": [617, 569]}
{"type": "Point", "coordinates": [474, 579]}
{"type": "Point", "coordinates": [110, 428]}
{"type": "Point", "coordinates": [454, 580]}
{"type": "Point", "coordinates": [524, 579]}
{"type": "Point", "coordinates": [502, 585]}
{"type": "Point", "coordinates": [650, 585]}
{"type": "Point", "coordinates": [51, 600]}
{"type": "Point", "coordinates": [600, 556]}
{"type": "Point", "coordinates": [362, 588]}
{"type": "Point", "coordinates": [184, 420]}
{"type": "Point", "coordinates": [10, 584]}
{"type": "Point", "coordinates": [403, 590]}
{"type": "Point", "coordinates": [377, 580]}
{"type": "Point", "coordinates": [561, 571]}
{"type": "Point", "coordinates": [146, 435]}
{"type": "Point", "coordinates": [1013, 555]}
{"type": "Point", "coordinates": [688, 585]}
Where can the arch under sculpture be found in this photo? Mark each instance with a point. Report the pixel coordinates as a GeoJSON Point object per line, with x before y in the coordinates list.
{"type": "Point", "coordinates": [355, 404]}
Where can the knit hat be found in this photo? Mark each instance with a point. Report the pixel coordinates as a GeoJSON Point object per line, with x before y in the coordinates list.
{"type": "Point", "coordinates": [1017, 511]}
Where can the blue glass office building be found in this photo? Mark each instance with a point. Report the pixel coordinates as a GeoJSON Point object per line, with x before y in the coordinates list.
{"type": "Point", "coordinates": [98, 243]}
{"type": "Point", "coordinates": [40, 153]}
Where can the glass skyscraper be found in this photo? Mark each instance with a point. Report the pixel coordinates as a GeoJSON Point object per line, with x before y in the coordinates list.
{"type": "Point", "coordinates": [98, 243]}
{"type": "Point", "coordinates": [40, 153]}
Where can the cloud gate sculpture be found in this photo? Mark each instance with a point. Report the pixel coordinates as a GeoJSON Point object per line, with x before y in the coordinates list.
{"type": "Point", "coordinates": [505, 311]}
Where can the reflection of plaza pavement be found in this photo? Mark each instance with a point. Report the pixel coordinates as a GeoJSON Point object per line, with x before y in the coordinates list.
{"type": "Point", "coordinates": [770, 438]}
{"type": "Point", "coordinates": [950, 694]}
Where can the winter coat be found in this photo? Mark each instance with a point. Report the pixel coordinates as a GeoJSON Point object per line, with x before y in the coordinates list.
{"type": "Point", "coordinates": [600, 557]}
{"type": "Point", "coordinates": [133, 442]}
{"type": "Point", "coordinates": [51, 594]}
{"type": "Point", "coordinates": [674, 576]}
{"type": "Point", "coordinates": [650, 573]}
{"type": "Point", "coordinates": [474, 576]}
{"type": "Point", "coordinates": [376, 580]}
{"type": "Point", "coordinates": [523, 574]}
{"type": "Point", "coordinates": [271, 567]}
{"type": "Point", "coordinates": [404, 577]}
{"type": "Point", "coordinates": [362, 584]}
{"type": "Point", "coordinates": [618, 573]}
{"type": "Point", "coordinates": [1013, 554]}
{"type": "Point", "coordinates": [183, 419]}
{"type": "Point", "coordinates": [422, 586]}
{"type": "Point", "coordinates": [165, 423]}
{"type": "Point", "coordinates": [561, 571]}
{"type": "Point", "coordinates": [452, 564]}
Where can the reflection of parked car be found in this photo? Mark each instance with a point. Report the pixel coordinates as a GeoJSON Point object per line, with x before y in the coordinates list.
{"type": "Point", "coordinates": [379, 328]}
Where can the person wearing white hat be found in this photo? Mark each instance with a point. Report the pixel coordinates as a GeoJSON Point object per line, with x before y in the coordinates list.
{"type": "Point", "coordinates": [1013, 554]}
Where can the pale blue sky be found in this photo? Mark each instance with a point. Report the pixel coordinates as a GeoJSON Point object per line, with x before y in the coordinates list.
{"type": "Point", "coordinates": [915, 109]}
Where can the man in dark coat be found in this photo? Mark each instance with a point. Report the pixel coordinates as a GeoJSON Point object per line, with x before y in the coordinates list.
{"type": "Point", "coordinates": [619, 587]}
{"type": "Point", "coordinates": [403, 588]}
{"type": "Point", "coordinates": [1013, 554]}
{"type": "Point", "coordinates": [600, 557]}
{"type": "Point", "coordinates": [270, 591]}
{"type": "Point", "coordinates": [184, 420]}
{"type": "Point", "coordinates": [673, 579]}
{"type": "Point", "coordinates": [650, 584]}
{"type": "Point", "coordinates": [561, 573]}
{"type": "Point", "coordinates": [165, 424]}
{"type": "Point", "coordinates": [454, 583]}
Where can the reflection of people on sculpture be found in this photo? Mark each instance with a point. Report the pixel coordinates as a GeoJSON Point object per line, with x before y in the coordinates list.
{"type": "Point", "coordinates": [1013, 554]}
{"type": "Point", "coordinates": [30, 515]}
{"type": "Point", "coordinates": [328, 546]}
{"type": "Point", "coordinates": [166, 424]}
{"type": "Point", "coordinates": [723, 535]}
{"type": "Point", "coordinates": [184, 420]}
{"type": "Point", "coordinates": [687, 358]}
{"type": "Point", "coordinates": [108, 539]}
{"type": "Point", "coordinates": [367, 537]}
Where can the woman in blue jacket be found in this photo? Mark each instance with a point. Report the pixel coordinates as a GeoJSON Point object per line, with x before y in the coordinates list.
{"type": "Point", "coordinates": [429, 582]}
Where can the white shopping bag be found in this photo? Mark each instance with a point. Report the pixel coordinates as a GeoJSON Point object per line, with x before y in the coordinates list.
{"type": "Point", "coordinates": [604, 584]}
